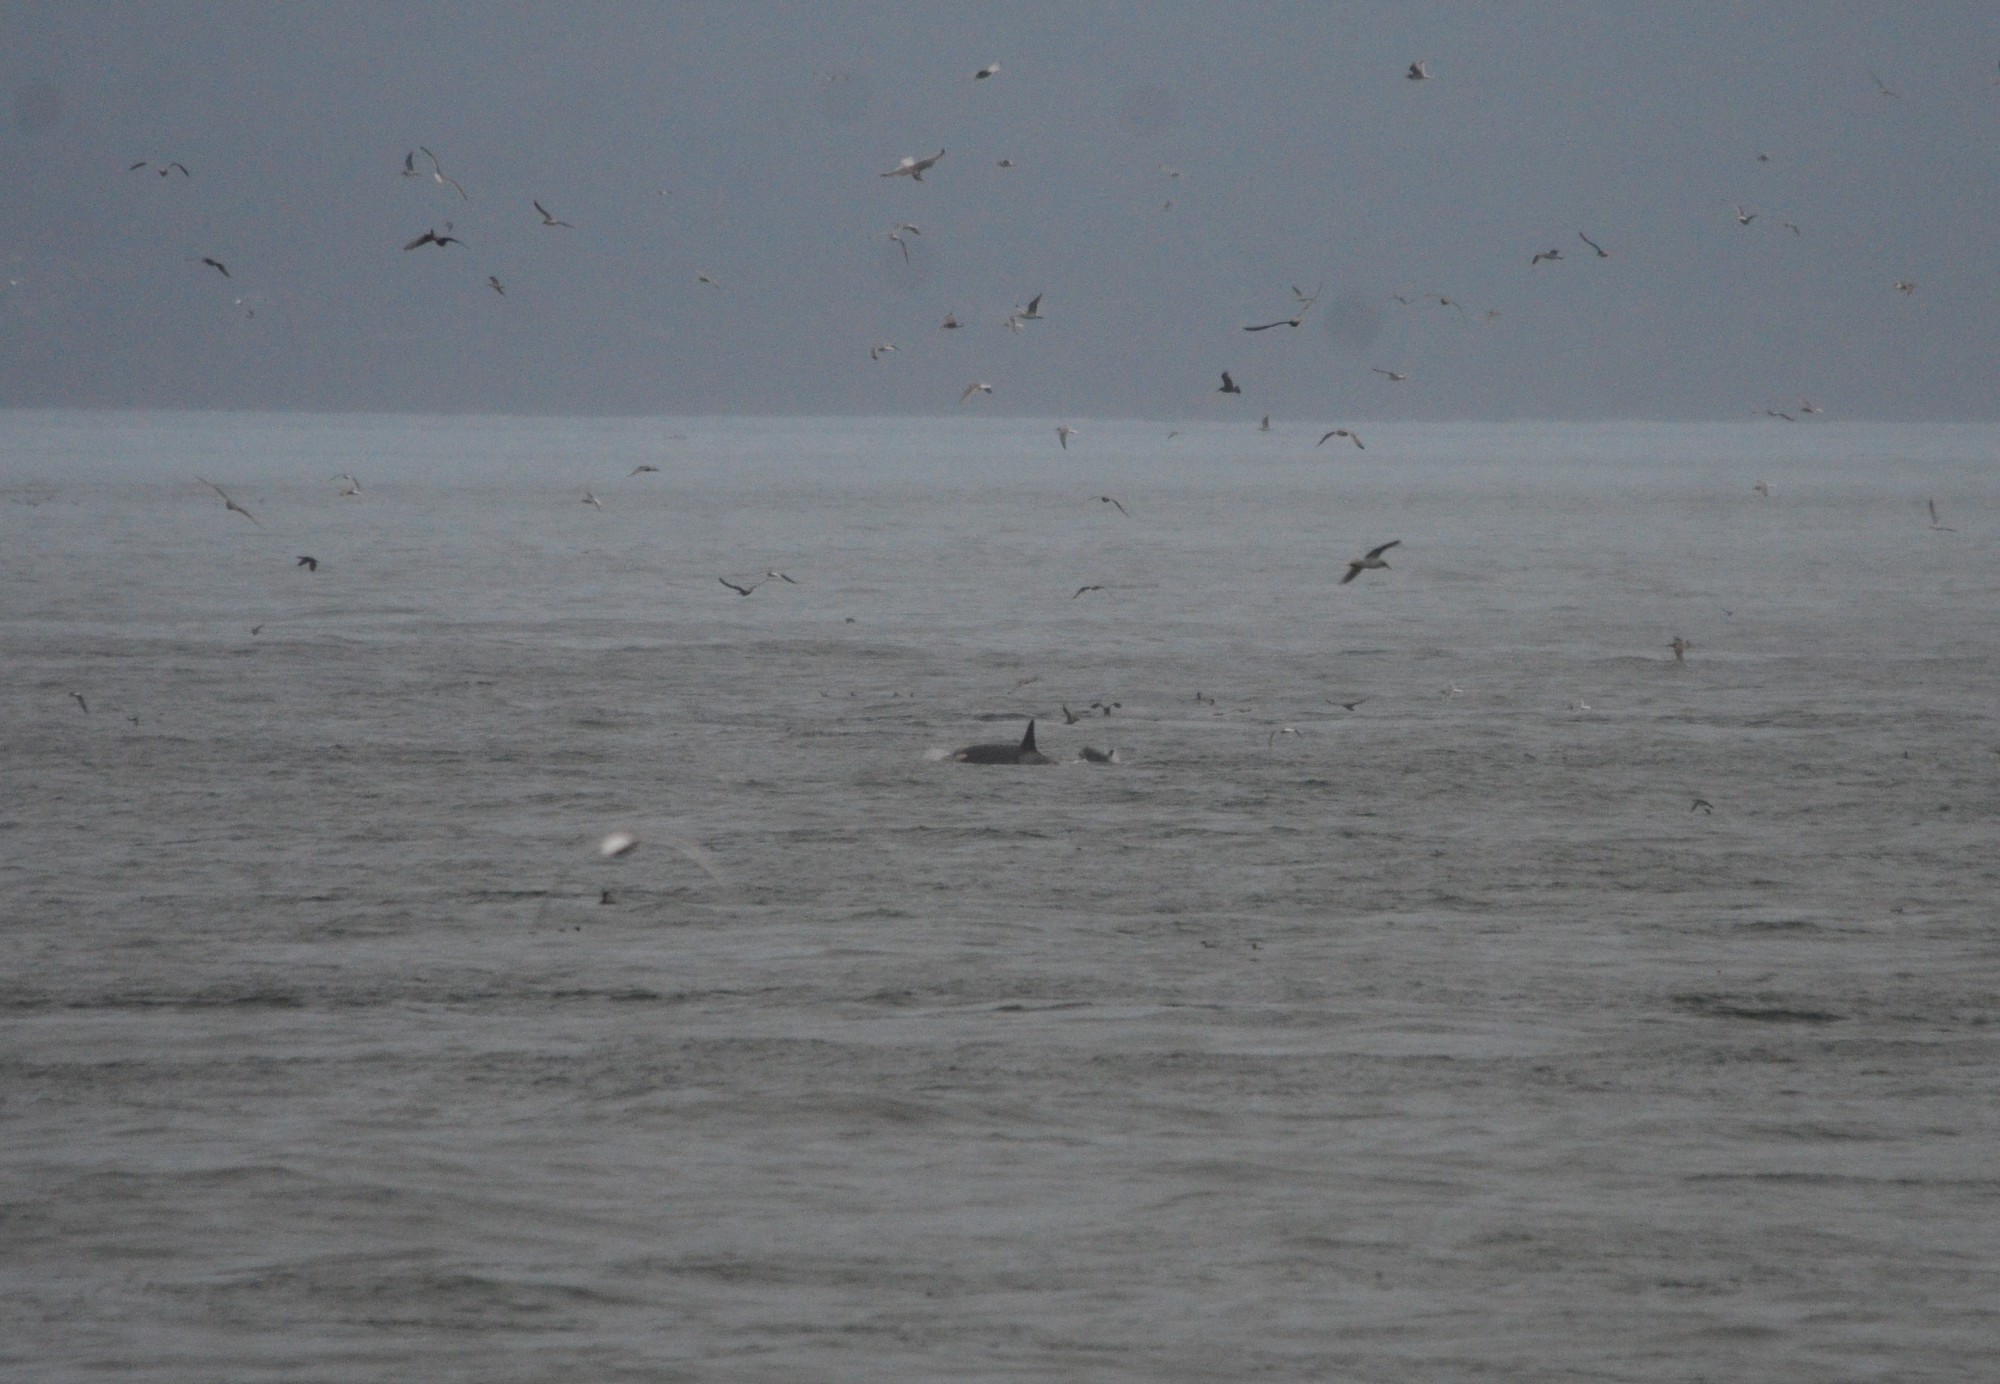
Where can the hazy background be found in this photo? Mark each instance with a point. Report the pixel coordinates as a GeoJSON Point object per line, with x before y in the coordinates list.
{"type": "Point", "coordinates": [745, 143]}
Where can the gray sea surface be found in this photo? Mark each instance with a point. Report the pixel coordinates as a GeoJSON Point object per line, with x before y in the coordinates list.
{"type": "Point", "coordinates": [1560, 1011]}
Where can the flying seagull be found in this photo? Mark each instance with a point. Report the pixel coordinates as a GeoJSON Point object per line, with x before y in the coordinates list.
{"type": "Point", "coordinates": [219, 267]}
{"type": "Point", "coordinates": [913, 168]}
{"type": "Point", "coordinates": [1395, 376]}
{"type": "Point", "coordinates": [1228, 385]}
{"type": "Point", "coordinates": [410, 165]}
{"type": "Point", "coordinates": [311, 564]}
{"type": "Point", "coordinates": [1081, 589]}
{"type": "Point", "coordinates": [548, 218]}
{"type": "Point", "coordinates": [1602, 253]}
{"type": "Point", "coordinates": [1064, 432]}
{"type": "Point", "coordinates": [1935, 522]}
{"type": "Point", "coordinates": [1341, 432]}
{"type": "Point", "coordinates": [1004, 163]}
{"type": "Point", "coordinates": [592, 500]}
{"type": "Point", "coordinates": [640, 469]}
{"type": "Point", "coordinates": [950, 323]}
{"type": "Point", "coordinates": [1264, 424]}
{"type": "Point", "coordinates": [1305, 305]}
{"type": "Point", "coordinates": [1881, 86]}
{"type": "Point", "coordinates": [740, 590]}
{"type": "Point", "coordinates": [81, 702]}
{"type": "Point", "coordinates": [975, 388]}
{"type": "Point", "coordinates": [163, 169]}
{"type": "Point", "coordinates": [987, 71]}
{"type": "Point", "coordinates": [1031, 313]}
{"type": "Point", "coordinates": [1545, 255]}
{"type": "Point", "coordinates": [493, 282]}
{"type": "Point", "coordinates": [1763, 488]}
{"type": "Point", "coordinates": [1808, 406]}
{"type": "Point", "coordinates": [353, 486]}
{"type": "Point", "coordinates": [228, 503]}
{"type": "Point", "coordinates": [896, 234]}
{"type": "Point", "coordinates": [876, 352]}
{"type": "Point", "coordinates": [705, 279]}
{"type": "Point", "coordinates": [1680, 646]}
{"type": "Point", "coordinates": [1903, 286]}
{"type": "Point", "coordinates": [1106, 499]}
{"type": "Point", "coordinates": [774, 572]}
{"type": "Point", "coordinates": [618, 843]}
{"type": "Point", "coordinates": [1420, 71]}
{"type": "Point", "coordinates": [439, 176]}
{"type": "Point", "coordinates": [1372, 560]}
{"type": "Point", "coordinates": [1744, 218]}
{"type": "Point", "coordinates": [1792, 226]}
{"type": "Point", "coordinates": [431, 237]}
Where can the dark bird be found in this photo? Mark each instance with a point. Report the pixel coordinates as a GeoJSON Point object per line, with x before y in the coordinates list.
{"type": "Point", "coordinates": [1093, 756]}
{"type": "Point", "coordinates": [950, 323]}
{"type": "Point", "coordinates": [1340, 432]}
{"type": "Point", "coordinates": [1228, 385]}
{"type": "Point", "coordinates": [1264, 423]}
{"type": "Point", "coordinates": [1420, 71]}
{"type": "Point", "coordinates": [438, 175]}
{"type": "Point", "coordinates": [228, 503]}
{"type": "Point", "coordinates": [740, 590]}
{"type": "Point", "coordinates": [1349, 706]}
{"type": "Point", "coordinates": [431, 237]}
{"type": "Point", "coordinates": [1372, 560]}
{"type": "Point", "coordinates": [255, 630]}
{"type": "Point", "coordinates": [548, 217]}
{"type": "Point", "coordinates": [1602, 253]}
{"type": "Point", "coordinates": [1937, 523]}
{"type": "Point", "coordinates": [1680, 646]}
{"type": "Point", "coordinates": [163, 169]}
{"type": "Point", "coordinates": [1305, 306]}
{"type": "Point", "coordinates": [1777, 413]}
{"type": "Point", "coordinates": [641, 468]}
{"type": "Point", "coordinates": [1395, 376]}
{"type": "Point", "coordinates": [493, 282]}
{"type": "Point", "coordinates": [913, 168]}
{"type": "Point", "coordinates": [217, 265]}
{"type": "Point", "coordinates": [1106, 499]}
{"type": "Point", "coordinates": [81, 702]}
{"type": "Point", "coordinates": [1070, 718]}
{"type": "Point", "coordinates": [1703, 806]}
{"type": "Point", "coordinates": [1882, 87]}
{"type": "Point", "coordinates": [311, 564]}
{"type": "Point", "coordinates": [1545, 255]}
{"type": "Point", "coordinates": [410, 165]}
{"type": "Point", "coordinates": [987, 71]}
{"type": "Point", "coordinates": [1081, 589]}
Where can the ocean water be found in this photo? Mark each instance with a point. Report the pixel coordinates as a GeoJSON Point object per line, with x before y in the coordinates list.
{"type": "Point", "coordinates": [1557, 1011]}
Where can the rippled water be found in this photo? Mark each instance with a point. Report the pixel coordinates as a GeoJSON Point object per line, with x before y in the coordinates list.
{"type": "Point", "coordinates": [1445, 1038]}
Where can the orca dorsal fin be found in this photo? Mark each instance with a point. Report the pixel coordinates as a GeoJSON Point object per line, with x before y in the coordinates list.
{"type": "Point", "coordinates": [1028, 740]}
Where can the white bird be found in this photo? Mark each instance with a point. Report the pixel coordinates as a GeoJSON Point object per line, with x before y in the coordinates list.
{"type": "Point", "coordinates": [704, 279]}
{"type": "Point", "coordinates": [896, 234]}
{"type": "Point", "coordinates": [353, 486]}
{"type": "Point", "coordinates": [439, 176]}
{"type": "Point", "coordinates": [987, 71]}
{"type": "Point", "coordinates": [913, 168]}
{"type": "Point", "coordinates": [548, 219]}
{"type": "Point", "coordinates": [1064, 432]}
{"type": "Point", "coordinates": [590, 499]}
{"type": "Point", "coordinates": [880, 349]}
{"type": "Point", "coordinates": [618, 843]}
{"type": "Point", "coordinates": [1031, 313]}
{"type": "Point", "coordinates": [1808, 406]}
{"type": "Point", "coordinates": [1372, 560]}
{"type": "Point", "coordinates": [1744, 218]}
{"type": "Point", "coordinates": [975, 388]}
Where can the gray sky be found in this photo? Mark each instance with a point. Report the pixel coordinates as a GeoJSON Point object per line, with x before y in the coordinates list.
{"type": "Point", "coordinates": [745, 142]}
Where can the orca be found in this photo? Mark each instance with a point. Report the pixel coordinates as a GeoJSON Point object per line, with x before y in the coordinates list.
{"type": "Point", "coordinates": [1003, 752]}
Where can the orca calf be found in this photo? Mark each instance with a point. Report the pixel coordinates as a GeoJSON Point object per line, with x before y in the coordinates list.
{"type": "Point", "coordinates": [1003, 752]}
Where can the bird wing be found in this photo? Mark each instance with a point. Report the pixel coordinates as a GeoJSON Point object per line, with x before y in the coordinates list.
{"type": "Point", "coordinates": [1323, 441]}
{"type": "Point", "coordinates": [1377, 552]}
{"type": "Point", "coordinates": [1353, 571]}
{"type": "Point", "coordinates": [425, 239]}
{"type": "Point", "coordinates": [1035, 306]}
{"type": "Point", "coordinates": [1266, 326]}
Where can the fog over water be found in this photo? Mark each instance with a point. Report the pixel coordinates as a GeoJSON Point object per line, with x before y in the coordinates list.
{"type": "Point", "coordinates": [1556, 1010]}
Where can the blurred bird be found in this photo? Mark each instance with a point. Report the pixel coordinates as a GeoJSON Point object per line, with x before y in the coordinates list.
{"type": "Point", "coordinates": [1420, 71]}
{"type": "Point", "coordinates": [219, 267]}
{"type": "Point", "coordinates": [1228, 385]}
{"type": "Point", "coordinates": [913, 168]}
{"type": "Point", "coordinates": [548, 218]}
{"type": "Point", "coordinates": [975, 388]}
{"type": "Point", "coordinates": [987, 71]}
{"type": "Point", "coordinates": [438, 175]}
{"type": "Point", "coordinates": [311, 564]}
{"type": "Point", "coordinates": [1370, 561]}
{"type": "Point", "coordinates": [228, 503]}
{"type": "Point", "coordinates": [1340, 432]}
{"type": "Point", "coordinates": [1395, 376]}
{"type": "Point", "coordinates": [431, 237]}
{"type": "Point", "coordinates": [1064, 432]}
{"type": "Point", "coordinates": [1602, 253]}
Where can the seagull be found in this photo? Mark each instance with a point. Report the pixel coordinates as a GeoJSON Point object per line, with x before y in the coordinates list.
{"type": "Point", "coordinates": [1744, 218]}
{"type": "Point", "coordinates": [162, 169]}
{"type": "Point", "coordinates": [410, 165]}
{"type": "Point", "coordinates": [1305, 306]}
{"type": "Point", "coordinates": [1703, 806]}
{"type": "Point", "coordinates": [353, 486]}
{"type": "Point", "coordinates": [1004, 163]}
{"type": "Point", "coordinates": [740, 590]}
{"type": "Point", "coordinates": [1228, 386]}
{"type": "Point", "coordinates": [228, 503]}
{"type": "Point", "coordinates": [1106, 499]}
{"type": "Point", "coordinates": [895, 233]}
{"type": "Point", "coordinates": [1341, 432]}
{"type": "Point", "coordinates": [1079, 591]}
{"type": "Point", "coordinates": [1762, 488]}
{"type": "Point", "coordinates": [1031, 313]}
{"type": "Point", "coordinates": [548, 217]}
{"type": "Point", "coordinates": [1903, 286]}
{"type": "Point", "coordinates": [1602, 253]}
{"type": "Point", "coordinates": [1935, 522]}
{"type": "Point", "coordinates": [950, 323]}
{"type": "Point", "coordinates": [641, 469]}
{"type": "Point", "coordinates": [1349, 706]}
{"type": "Point", "coordinates": [590, 499]}
{"type": "Point", "coordinates": [704, 279]}
{"type": "Point", "coordinates": [789, 581]}
{"type": "Point", "coordinates": [1070, 718]}
{"type": "Point", "coordinates": [618, 843]}
{"type": "Point", "coordinates": [311, 564]}
{"type": "Point", "coordinates": [1545, 255]}
{"type": "Point", "coordinates": [913, 168]}
{"type": "Point", "coordinates": [987, 71]}
{"type": "Point", "coordinates": [975, 388]}
{"type": "Point", "coordinates": [880, 349]}
{"type": "Point", "coordinates": [1372, 560]}
{"type": "Point", "coordinates": [1395, 376]}
{"type": "Point", "coordinates": [1680, 646]}
{"type": "Point", "coordinates": [219, 267]}
{"type": "Point", "coordinates": [1420, 71]}
{"type": "Point", "coordinates": [1792, 226]}
{"type": "Point", "coordinates": [493, 282]}
{"type": "Point", "coordinates": [1778, 413]}
{"type": "Point", "coordinates": [438, 175]}
{"type": "Point", "coordinates": [1272, 738]}
{"type": "Point", "coordinates": [431, 237]}
{"type": "Point", "coordinates": [81, 702]}
{"type": "Point", "coordinates": [1881, 86]}
{"type": "Point", "coordinates": [1064, 432]}
{"type": "Point", "coordinates": [1264, 425]}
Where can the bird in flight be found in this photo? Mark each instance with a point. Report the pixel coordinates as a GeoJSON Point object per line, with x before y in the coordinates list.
{"type": "Point", "coordinates": [410, 165]}
{"type": "Point", "coordinates": [1228, 386]}
{"type": "Point", "coordinates": [1545, 255]}
{"type": "Point", "coordinates": [774, 572]}
{"type": "Point", "coordinates": [548, 218]}
{"type": "Point", "coordinates": [1808, 406]}
{"type": "Point", "coordinates": [1779, 413]}
{"type": "Point", "coordinates": [1107, 500]}
{"type": "Point", "coordinates": [1903, 286]}
{"type": "Point", "coordinates": [1420, 71]}
{"type": "Point", "coordinates": [1763, 488]}
{"type": "Point", "coordinates": [439, 176]}
{"type": "Point", "coordinates": [353, 486]}
{"type": "Point", "coordinates": [1031, 313]}
{"type": "Point", "coordinates": [1602, 253]}
{"type": "Point", "coordinates": [1792, 226]}
{"type": "Point", "coordinates": [81, 702]}
{"type": "Point", "coordinates": [896, 234]}
{"type": "Point", "coordinates": [975, 388]}
{"type": "Point", "coordinates": [1064, 432]}
{"type": "Point", "coordinates": [591, 500]}
{"type": "Point", "coordinates": [1081, 589]}
{"type": "Point", "coordinates": [1882, 87]}
{"type": "Point", "coordinates": [311, 564]}
{"type": "Point", "coordinates": [219, 267]}
{"type": "Point", "coordinates": [228, 503]}
{"type": "Point", "coordinates": [950, 323]}
{"type": "Point", "coordinates": [1935, 522]}
{"type": "Point", "coordinates": [431, 237]}
{"type": "Point", "coordinates": [1369, 562]}
{"type": "Point", "coordinates": [163, 169]}
{"type": "Point", "coordinates": [913, 168]}
{"type": "Point", "coordinates": [1264, 423]}
{"type": "Point", "coordinates": [1680, 646]}
{"type": "Point", "coordinates": [1305, 306]}
{"type": "Point", "coordinates": [1349, 706]}
{"type": "Point", "coordinates": [1341, 432]}
{"type": "Point", "coordinates": [705, 279]}
{"type": "Point", "coordinates": [1744, 218]}
{"type": "Point", "coordinates": [880, 349]}
{"type": "Point", "coordinates": [987, 71]}
{"type": "Point", "coordinates": [741, 590]}
{"type": "Point", "coordinates": [641, 469]}
{"type": "Point", "coordinates": [493, 282]}
{"type": "Point", "coordinates": [1395, 376]}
